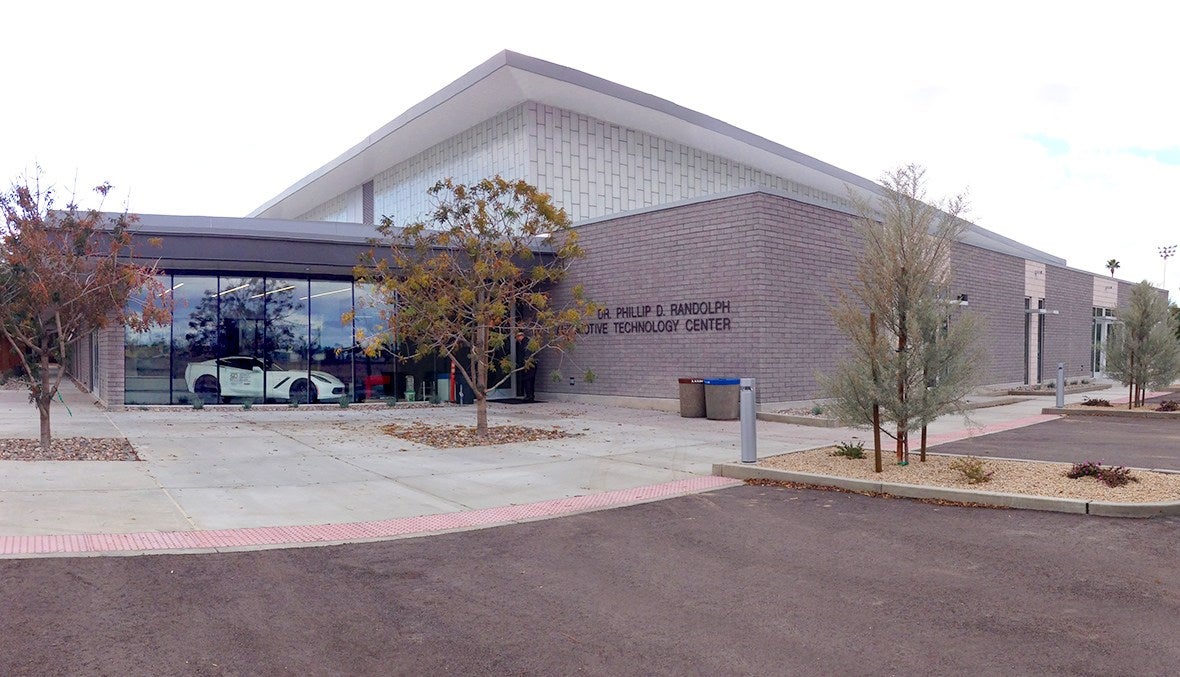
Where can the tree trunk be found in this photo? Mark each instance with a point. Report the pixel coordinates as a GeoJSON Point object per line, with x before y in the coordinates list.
{"type": "Point", "coordinates": [902, 443]}
{"type": "Point", "coordinates": [481, 382]}
{"type": "Point", "coordinates": [876, 405]}
{"type": "Point", "coordinates": [922, 456]}
{"type": "Point", "coordinates": [1131, 387]}
{"type": "Point", "coordinates": [45, 399]}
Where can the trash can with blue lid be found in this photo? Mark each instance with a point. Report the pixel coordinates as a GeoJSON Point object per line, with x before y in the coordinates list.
{"type": "Point", "coordinates": [692, 397]}
{"type": "Point", "coordinates": [722, 399]}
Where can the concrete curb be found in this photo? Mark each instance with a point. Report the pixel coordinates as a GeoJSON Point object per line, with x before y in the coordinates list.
{"type": "Point", "coordinates": [1069, 390]}
{"type": "Point", "coordinates": [741, 471]}
{"type": "Point", "coordinates": [998, 402]}
{"type": "Point", "coordinates": [1111, 412]}
{"type": "Point", "coordinates": [819, 422]}
{"type": "Point", "coordinates": [798, 420]}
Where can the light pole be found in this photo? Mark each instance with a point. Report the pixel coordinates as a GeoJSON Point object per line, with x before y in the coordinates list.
{"type": "Point", "coordinates": [1165, 254]}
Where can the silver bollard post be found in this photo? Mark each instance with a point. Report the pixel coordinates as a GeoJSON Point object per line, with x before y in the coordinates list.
{"type": "Point", "coordinates": [749, 416]}
{"type": "Point", "coordinates": [1060, 385]}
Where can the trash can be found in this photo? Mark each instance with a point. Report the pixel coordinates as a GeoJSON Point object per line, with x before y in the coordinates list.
{"type": "Point", "coordinates": [722, 399]}
{"type": "Point", "coordinates": [692, 397]}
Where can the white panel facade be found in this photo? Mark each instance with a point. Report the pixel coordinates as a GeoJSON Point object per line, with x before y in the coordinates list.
{"type": "Point", "coordinates": [344, 208]}
{"type": "Point", "coordinates": [594, 168]}
{"type": "Point", "coordinates": [591, 168]}
{"type": "Point", "coordinates": [1106, 292]}
{"type": "Point", "coordinates": [495, 146]}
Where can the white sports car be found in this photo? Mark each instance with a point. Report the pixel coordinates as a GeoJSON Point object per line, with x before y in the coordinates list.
{"type": "Point", "coordinates": [243, 377]}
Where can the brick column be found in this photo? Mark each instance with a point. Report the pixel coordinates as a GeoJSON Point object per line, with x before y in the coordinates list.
{"type": "Point", "coordinates": [110, 386]}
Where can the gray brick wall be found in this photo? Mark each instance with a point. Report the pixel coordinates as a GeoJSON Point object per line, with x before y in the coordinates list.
{"type": "Point", "coordinates": [646, 265]}
{"type": "Point", "coordinates": [804, 256]}
{"type": "Point", "coordinates": [779, 264]}
{"type": "Point", "coordinates": [994, 285]}
{"type": "Point", "coordinates": [1069, 334]}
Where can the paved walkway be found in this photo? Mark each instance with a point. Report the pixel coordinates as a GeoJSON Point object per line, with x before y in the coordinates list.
{"type": "Point", "coordinates": [225, 478]}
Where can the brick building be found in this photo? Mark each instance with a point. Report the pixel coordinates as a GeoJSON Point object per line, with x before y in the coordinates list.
{"type": "Point", "coordinates": [714, 251]}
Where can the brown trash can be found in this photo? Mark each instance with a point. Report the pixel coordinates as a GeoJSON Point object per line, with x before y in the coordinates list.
{"type": "Point", "coordinates": [723, 399]}
{"type": "Point", "coordinates": [692, 397]}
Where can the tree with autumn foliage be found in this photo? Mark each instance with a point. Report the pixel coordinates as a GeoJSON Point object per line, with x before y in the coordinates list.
{"type": "Point", "coordinates": [477, 271]}
{"type": "Point", "coordinates": [63, 273]}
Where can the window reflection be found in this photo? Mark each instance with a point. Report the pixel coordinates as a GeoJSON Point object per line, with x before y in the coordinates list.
{"type": "Point", "coordinates": [145, 358]}
{"type": "Point", "coordinates": [194, 337]}
{"type": "Point", "coordinates": [287, 377]}
{"type": "Point", "coordinates": [376, 374]}
{"type": "Point", "coordinates": [331, 338]}
{"type": "Point", "coordinates": [268, 339]}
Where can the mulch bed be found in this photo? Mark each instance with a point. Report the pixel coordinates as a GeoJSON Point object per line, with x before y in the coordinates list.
{"type": "Point", "coordinates": [454, 436]}
{"type": "Point", "coordinates": [69, 449]}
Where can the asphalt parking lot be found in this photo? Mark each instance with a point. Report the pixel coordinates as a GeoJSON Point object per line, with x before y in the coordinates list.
{"type": "Point", "coordinates": [1133, 442]}
{"type": "Point", "coordinates": [749, 580]}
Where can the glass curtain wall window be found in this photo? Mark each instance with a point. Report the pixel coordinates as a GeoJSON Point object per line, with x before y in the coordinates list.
{"type": "Point", "coordinates": [285, 350]}
{"type": "Point", "coordinates": [194, 337]}
{"type": "Point", "coordinates": [331, 339]}
{"type": "Point", "coordinates": [145, 356]}
{"type": "Point", "coordinates": [377, 374]}
{"type": "Point", "coordinates": [256, 338]}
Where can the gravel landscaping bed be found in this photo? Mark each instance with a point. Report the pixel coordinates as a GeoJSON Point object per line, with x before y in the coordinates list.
{"type": "Point", "coordinates": [1013, 477]}
{"type": "Point", "coordinates": [445, 436]}
{"type": "Point", "coordinates": [69, 449]}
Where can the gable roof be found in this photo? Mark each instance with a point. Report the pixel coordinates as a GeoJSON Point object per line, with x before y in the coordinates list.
{"type": "Point", "coordinates": [509, 79]}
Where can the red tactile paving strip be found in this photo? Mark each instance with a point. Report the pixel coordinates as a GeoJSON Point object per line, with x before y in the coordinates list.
{"type": "Point", "coordinates": [159, 541]}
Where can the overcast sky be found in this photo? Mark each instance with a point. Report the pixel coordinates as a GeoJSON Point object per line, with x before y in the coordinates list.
{"type": "Point", "coordinates": [1060, 119]}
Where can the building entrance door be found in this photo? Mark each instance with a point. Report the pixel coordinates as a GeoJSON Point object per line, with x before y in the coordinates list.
{"type": "Point", "coordinates": [1103, 327]}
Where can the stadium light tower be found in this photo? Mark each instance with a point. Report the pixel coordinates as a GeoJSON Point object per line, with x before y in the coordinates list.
{"type": "Point", "coordinates": [1165, 254]}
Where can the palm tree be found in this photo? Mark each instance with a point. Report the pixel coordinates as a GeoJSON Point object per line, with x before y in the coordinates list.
{"type": "Point", "coordinates": [1112, 265]}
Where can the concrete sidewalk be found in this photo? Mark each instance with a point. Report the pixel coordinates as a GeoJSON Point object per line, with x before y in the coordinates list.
{"type": "Point", "coordinates": [227, 468]}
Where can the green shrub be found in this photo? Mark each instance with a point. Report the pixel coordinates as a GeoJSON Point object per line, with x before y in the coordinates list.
{"type": "Point", "coordinates": [817, 410]}
{"type": "Point", "coordinates": [344, 401]}
{"type": "Point", "coordinates": [850, 449]}
{"type": "Point", "coordinates": [1096, 402]}
{"type": "Point", "coordinates": [248, 404]}
{"type": "Point", "coordinates": [294, 404]}
{"type": "Point", "coordinates": [974, 470]}
{"type": "Point", "coordinates": [1168, 405]}
{"type": "Point", "coordinates": [390, 401]}
{"type": "Point", "coordinates": [198, 404]}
